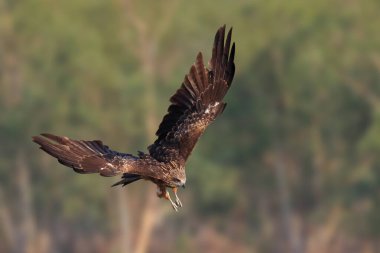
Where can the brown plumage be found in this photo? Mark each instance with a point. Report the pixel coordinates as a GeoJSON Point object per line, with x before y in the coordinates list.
{"type": "Point", "coordinates": [193, 107]}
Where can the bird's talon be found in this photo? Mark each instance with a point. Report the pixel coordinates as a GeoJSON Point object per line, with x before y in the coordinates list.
{"type": "Point", "coordinates": [178, 202]}
{"type": "Point", "coordinates": [175, 206]}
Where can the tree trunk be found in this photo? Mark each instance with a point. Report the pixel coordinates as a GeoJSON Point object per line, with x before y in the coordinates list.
{"type": "Point", "coordinates": [26, 227]}
{"type": "Point", "coordinates": [279, 125]}
{"type": "Point", "coordinates": [6, 225]}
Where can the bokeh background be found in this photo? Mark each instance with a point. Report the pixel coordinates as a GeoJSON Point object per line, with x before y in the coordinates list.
{"type": "Point", "coordinates": [291, 166]}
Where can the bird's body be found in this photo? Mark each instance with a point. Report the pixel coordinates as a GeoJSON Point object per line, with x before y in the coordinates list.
{"type": "Point", "coordinates": [193, 107]}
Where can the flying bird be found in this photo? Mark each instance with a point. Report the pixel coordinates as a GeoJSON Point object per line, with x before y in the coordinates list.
{"type": "Point", "coordinates": [193, 107]}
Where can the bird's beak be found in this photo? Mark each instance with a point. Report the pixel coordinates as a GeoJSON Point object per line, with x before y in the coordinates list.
{"type": "Point", "coordinates": [183, 186]}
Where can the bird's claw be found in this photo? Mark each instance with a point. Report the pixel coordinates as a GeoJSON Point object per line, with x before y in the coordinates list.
{"type": "Point", "coordinates": [162, 193]}
{"type": "Point", "coordinates": [175, 206]}
{"type": "Point", "coordinates": [178, 202]}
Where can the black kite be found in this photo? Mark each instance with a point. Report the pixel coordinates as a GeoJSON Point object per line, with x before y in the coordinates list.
{"type": "Point", "coordinates": [193, 107]}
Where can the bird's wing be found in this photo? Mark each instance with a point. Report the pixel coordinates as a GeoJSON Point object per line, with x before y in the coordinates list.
{"type": "Point", "coordinates": [88, 156]}
{"type": "Point", "coordinates": [196, 103]}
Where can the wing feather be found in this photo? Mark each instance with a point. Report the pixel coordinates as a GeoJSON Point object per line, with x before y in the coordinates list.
{"type": "Point", "coordinates": [197, 102]}
{"type": "Point", "coordinates": [87, 156]}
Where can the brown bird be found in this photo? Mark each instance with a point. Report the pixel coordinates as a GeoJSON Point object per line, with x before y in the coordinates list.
{"type": "Point", "coordinates": [193, 107]}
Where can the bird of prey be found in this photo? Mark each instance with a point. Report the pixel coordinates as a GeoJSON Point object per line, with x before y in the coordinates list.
{"type": "Point", "coordinates": [193, 107]}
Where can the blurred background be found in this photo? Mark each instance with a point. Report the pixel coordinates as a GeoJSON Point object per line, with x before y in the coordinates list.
{"type": "Point", "coordinates": [291, 166]}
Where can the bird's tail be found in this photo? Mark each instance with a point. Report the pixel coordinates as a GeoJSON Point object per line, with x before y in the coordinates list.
{"type": "Point", "coordinates": [127, 179]}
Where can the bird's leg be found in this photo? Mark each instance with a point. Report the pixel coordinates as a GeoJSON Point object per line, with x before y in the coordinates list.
{"type": "Point", "coordinates": [163, 193]}
{"type": "Point", "coordinates": [174, 205]}
{"type": "Point", "coordinates": [177, 201]}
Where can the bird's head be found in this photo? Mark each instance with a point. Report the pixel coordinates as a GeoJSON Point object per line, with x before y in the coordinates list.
{"type": "Point", "coordinates": [179, 182]}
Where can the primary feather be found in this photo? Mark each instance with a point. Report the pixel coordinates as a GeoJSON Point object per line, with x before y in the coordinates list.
{"type": "Point", "coordinates": [196, 103]}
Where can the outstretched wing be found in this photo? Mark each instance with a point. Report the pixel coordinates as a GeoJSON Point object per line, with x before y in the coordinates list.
{"type": "Point", "coordinates": [87, 156]}
{"type": "Point", "coordinates": [197, 103]}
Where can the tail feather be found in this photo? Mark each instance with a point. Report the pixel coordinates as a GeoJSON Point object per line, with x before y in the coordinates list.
{"type": "Point", "coordinates": [127, 179]}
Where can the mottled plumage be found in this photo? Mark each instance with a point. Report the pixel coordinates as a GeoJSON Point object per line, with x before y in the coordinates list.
{"type": "Point", "coordinates": [193, 107]}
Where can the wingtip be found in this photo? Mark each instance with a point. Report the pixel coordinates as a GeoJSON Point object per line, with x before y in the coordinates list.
{"type": "Point", "coordinates": [232, 53]}
{"type": "Point", "coordinates": [229, 34]}
{"type": "Point", "coordinates": [56, 138]}
{"type": "Point", "coordinates": [34, 139]}
{"type": "Point", "coordinates": [38, 136]}
{"type": "Point", "coordinates": [229, 31]}
{"type": "Point", "coordinates": [222, 30]}
{"type": "Point", "coordinates": [47, 135]}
